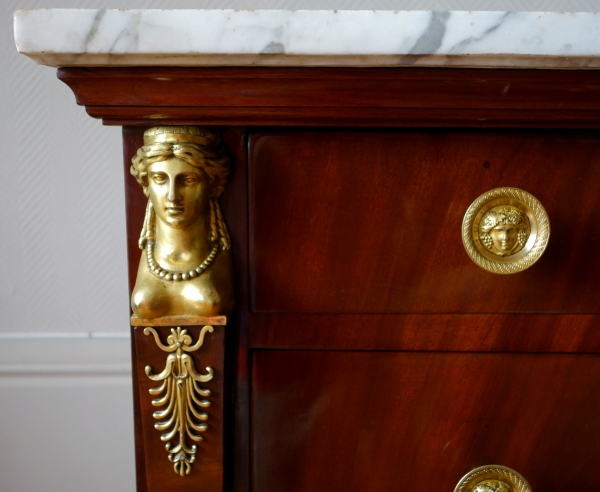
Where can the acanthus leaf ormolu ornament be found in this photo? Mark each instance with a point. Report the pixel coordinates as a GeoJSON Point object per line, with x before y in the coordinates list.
{"type": "Point", "coordinates": [505, 230]}
{"type": "Point", "coordinates": [186, 268]}
{"type": "Point", "coordinates": [181, 396]}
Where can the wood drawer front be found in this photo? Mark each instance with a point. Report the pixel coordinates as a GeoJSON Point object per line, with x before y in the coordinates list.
{"type": "Point", "coordinates": [371, 221]}
{"type": "Point", "coordinates": [356, 421]}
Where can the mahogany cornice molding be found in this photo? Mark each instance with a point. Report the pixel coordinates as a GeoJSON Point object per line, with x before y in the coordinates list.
{"type": "Point", "coordinates": [354, 97]}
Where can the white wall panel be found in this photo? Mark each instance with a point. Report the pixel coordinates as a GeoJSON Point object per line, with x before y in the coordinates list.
{"type": "Point", "coordinates": [65, 437]}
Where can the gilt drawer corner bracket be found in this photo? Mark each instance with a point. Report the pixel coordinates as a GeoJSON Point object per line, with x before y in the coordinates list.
{"type": "Point", "coordinates": [182, 395]}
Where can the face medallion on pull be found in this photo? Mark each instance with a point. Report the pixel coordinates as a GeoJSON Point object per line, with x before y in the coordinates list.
{"type": "Point", "coordinates": [492, 486]}
{"type": "Point", "coordinates": [505, 230]}
{"type": "Point", "coordinates": [493, 478]}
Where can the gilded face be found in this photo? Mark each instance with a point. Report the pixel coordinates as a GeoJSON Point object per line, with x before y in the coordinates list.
{"type": "Point", "coordinates": [504, 237]}
{"type": "Point", "coordinates": [179, 192]}
{"type": "Point", "coordinates": [504, 230]}
{"type": "Point", "coordinates": [493, 486]}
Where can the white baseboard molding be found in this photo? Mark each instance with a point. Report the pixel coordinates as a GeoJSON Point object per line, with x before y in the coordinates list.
{"type": "Point", "coordinates": [57, 356]}
{"type": "Point", "coordinates": [61, 335]}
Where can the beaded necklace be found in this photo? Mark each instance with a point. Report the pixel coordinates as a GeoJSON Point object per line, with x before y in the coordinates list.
{"type": "Point", "coordinates": [163, 274]}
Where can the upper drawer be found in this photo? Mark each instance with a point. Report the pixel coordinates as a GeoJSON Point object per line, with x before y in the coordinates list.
{"type": "Point", "coordinates": [371, 221]}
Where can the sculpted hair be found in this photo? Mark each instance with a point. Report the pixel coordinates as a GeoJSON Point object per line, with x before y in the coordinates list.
{"type": "Point", "coordinates": [211, 157]}
{"type": "Point", "coordinates": [206, 151]}
{"type": "Point", "coordinates": [506, 216]}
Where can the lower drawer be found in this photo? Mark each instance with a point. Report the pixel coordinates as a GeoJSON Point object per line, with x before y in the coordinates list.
{"type": "Point", "coordinates": [381, 421]}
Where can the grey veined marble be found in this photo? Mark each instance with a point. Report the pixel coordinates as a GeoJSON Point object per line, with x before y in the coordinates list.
{"type": "Point", "coordinates": [60, 37]}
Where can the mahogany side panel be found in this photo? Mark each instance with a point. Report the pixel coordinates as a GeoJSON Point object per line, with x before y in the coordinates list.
{"type": "Point", "coordinates": [544, 333]}
{"type": "Point", "coordinates": [355, 421]}
{"type": "Point", "coordinates": [234, 203]}
{"type": "Point", "coordinates": [135, 201]}
{"type": "Point", "coordinates": [370, 222]}
{"type": "Point", "coordinates": [338, 96]}
{"type": "Point", "coordinates": [135, 207]}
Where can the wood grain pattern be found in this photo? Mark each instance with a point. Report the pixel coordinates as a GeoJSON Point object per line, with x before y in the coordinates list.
{"type": "Point", "coordinates": [532, 333]}
{"type": "Point", "coordinates": [138, 429]}
{"type": "Point", "coordinates": [351, 87]}
{"type": "Point", "coordinates": [370, 222]}
{"type": "Point", "coordinates": [358, 421]}
{"type": "Point", "coordinates": [135, 201]}
{"type": "Point", "coordinates": [234, 203]}
{"type": "Point", "coordinates": [338, 96]}
{"type": "Point", "coordinates": [135, 206]}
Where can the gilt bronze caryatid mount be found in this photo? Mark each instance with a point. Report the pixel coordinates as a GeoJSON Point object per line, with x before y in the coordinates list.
{"type": "Point", "coordinates": [186, 265]}
{"type": "Point", "coordinates": [184, 276]}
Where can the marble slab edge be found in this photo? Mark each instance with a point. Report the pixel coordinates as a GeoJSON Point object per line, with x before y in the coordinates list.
{"type": "Point", "coordinates": [460, 61]}
{"type": "Point", "coordinates": [345, 38]}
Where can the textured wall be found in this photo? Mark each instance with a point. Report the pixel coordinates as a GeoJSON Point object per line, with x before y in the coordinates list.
{"type": "Point", "coordinates": [65, 397]}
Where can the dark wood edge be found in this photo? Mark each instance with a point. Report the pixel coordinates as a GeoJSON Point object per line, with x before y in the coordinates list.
{"type": "Point", "coordinates": [347, 117]}
{"type": "Point", "coordinates": [179, 321]}
{"type": "Point", "coordinates": [140, 458]}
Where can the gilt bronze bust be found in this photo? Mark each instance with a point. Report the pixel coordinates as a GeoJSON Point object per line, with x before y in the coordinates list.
{"type": "Point", "coordinates": [186, 265]}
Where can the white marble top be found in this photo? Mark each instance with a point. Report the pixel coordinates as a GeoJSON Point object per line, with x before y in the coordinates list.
{"type": "Point", "coordinates": [65, 37]}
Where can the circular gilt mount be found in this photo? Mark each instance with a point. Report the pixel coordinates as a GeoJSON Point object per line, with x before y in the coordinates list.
{"type": "Point", "coordinates": [505, 230]}
{"type": "Point", "coordinates": [493, 478]}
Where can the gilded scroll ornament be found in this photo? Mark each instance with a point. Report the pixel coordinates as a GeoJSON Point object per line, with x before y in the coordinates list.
{"type": "Point", "coordinates": [186, 268]}
{"type": "Point", "coordinates": [493, 478]}
{"type": "Point", "coordinates": [505, 230]}
{"type": "Point", "coordinates": [182, 395]}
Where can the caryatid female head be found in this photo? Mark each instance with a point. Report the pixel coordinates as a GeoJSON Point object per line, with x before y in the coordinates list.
{"type": "Point", "coordinates": [206, 156]}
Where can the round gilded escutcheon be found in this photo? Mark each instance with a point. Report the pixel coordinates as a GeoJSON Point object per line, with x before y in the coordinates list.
{"type": "Point", "coordinates": [505, 230]}
{"type": "Point", "coordinates": [493, 478]}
